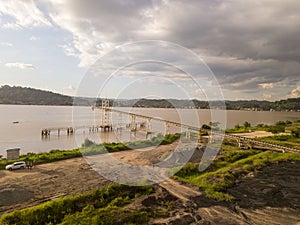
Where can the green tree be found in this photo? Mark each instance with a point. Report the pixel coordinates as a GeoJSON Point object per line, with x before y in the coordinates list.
{"type": "Point", "coordinates": [296, 132]}
{"type": "Point", "coordinates": [237, 126]}
{"type": "Point", "coordinates": [247, 124]}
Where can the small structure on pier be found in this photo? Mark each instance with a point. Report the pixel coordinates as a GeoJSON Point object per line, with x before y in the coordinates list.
{"type": "Point", "coordinates": [13, 153]}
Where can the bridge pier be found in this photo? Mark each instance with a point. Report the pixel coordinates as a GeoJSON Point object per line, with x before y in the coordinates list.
{"type": "Point", "coordinates": [167, 128]}
{"type": "Point", "coordinates": [45, 132]}
{"type": "Point", "coordinates": [119, 125]}
{"type": "Point", "coordinates": [133, 125]}
{"type": "Point", "coordinates": [70, 130]}
{"type": "Point", "coordinates": [199, 138]}
{"type": "Point", "coordinates": [188, 134]}
{"type": "Point", "coordinates": [148, 127]}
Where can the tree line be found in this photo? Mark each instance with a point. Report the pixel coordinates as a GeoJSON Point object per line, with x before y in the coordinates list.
{"type": "Point", "coordinates": [30, 96]}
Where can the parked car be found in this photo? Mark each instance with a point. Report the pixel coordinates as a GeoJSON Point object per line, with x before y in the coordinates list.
{"type": "Point", "coordinates": [16, 165]}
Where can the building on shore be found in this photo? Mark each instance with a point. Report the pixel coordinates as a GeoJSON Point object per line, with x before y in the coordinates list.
{"type": "Point", "coordinates": [13, 153]}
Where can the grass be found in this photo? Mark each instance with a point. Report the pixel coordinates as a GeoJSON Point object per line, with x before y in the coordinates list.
{"type": "Point", "coordinates": [91, 148]}
{"type": "Point", "coordinates": [101, 206]}
{"type": "Point", "coordinates": [278, 127]}
{"type": "Point", "coordinates": [231, 165]}
{"type": "Point", "coordinates": [285, 140]}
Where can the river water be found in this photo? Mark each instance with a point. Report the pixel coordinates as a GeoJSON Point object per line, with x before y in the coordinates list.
{"type": "Point", "coordinates": [21, 125]}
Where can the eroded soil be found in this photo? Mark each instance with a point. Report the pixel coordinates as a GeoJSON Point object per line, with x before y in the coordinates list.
{"type": "Point", "coordinates": [270, 195]}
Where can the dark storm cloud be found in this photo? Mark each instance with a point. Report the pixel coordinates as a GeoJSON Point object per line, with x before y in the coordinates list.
{"type": "Point", "coordinates": [246, 43]}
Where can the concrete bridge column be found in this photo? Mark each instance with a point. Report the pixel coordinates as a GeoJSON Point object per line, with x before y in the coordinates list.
{"type": "Point", "coordinates": [119, 125]}
{"type": "Point", "coordinates": [199, 138]}
{"type": "Point", "coordinates": [132, 123]}
{"type": "Point", "coordinates": [167, 128]}
{"type": "Point", "coordinates": [188, 134]}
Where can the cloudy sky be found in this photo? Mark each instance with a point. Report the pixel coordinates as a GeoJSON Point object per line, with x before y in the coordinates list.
{"type": "Point", "coordinates": [251, 47]}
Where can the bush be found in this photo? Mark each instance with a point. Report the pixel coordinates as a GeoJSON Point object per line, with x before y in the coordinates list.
{"type": "Point", "coordinates": [87, 143]}
{"type": "Point", "coordinates": [84, 206]}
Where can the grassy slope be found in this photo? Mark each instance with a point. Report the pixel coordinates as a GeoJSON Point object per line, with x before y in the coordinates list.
{"type": "Point", "coordinates": [97, 207]}
{"type": "Point", "coordinates": [231, 165]}
{"type": "Point", "coordinates": [286, 140]}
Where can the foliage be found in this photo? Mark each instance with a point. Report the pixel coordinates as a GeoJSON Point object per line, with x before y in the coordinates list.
{"type": "Point", "coordinates": [231, 165]}
{"type": "Point", "coordinates": [206, 127]}
{"type": "Point", "coordinates": [91, 149]}
{"type": "Point", "coordinates": [240, 129]}
{"type": "Point", "coordinates": [285, 140]}
{"type": "Point", "coordinates": [97, 207]}
{"type": "Point", "coordinates": [278, 127]}
{"type": "Point", "coordinates": [87, 143]}
{"type": "Point", "coordinates": [116, 147]}
{"type": "Point", "coordinates": [30, 96]}
{"type": "Point", "coordinates": [44, 157]}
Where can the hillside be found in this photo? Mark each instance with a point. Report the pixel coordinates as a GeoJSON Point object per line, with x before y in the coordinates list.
{"type": "Point", "coordinates": [291, 104]}
{"type": "Point", "coordinates": [30, 96]}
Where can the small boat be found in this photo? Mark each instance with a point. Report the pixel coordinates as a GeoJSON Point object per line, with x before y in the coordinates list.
{"type": "Point", "coordinates": [14, 122]}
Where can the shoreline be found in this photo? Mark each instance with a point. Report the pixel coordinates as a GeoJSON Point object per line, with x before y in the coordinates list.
{"type": "Point", "coordinates": [167, 108]}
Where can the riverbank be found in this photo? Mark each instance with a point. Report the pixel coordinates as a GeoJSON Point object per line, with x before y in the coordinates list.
{"type": "Point", "coordinates": [90, 148]}
{"type": "Point", "coordinates": [23, 188]}
{"type": "Point", "coordinates": [267, 194]}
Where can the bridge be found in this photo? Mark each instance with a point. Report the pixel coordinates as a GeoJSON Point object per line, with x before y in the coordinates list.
{"type": "Point", "coordinates": [134, 125]}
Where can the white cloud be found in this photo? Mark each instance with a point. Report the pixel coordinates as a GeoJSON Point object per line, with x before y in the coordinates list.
{"type": "Point", "coordinates": [267, 85]}
{"type": "Point", "coordinates": [69, 50]}
{"type": "Point", "coordinates": [245, 53]}
{"type": "Point", "coordinates": [25, 13]}
{"type": "Point", "coordinates": [11, 26]}
{"type": "Point", "coordinates": [6, 44]}
{"type": "Point", "coordinates": [295, 93]}
{"type": "Point", "coordinates": [69, 90]}
{"type": "Point", "coordinates": [34, 38]}
{"type": "Point", "coordinates": [20, 65]}
{"type": "Point", "coordinates": [267, 96]}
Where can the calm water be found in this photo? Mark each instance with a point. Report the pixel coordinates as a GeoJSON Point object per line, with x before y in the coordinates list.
{"type": "Point", "coordinates": [27, 133]}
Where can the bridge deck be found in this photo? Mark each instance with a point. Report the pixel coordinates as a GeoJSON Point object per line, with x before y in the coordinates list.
{"type": "Point", "coordinates": [47, 131]}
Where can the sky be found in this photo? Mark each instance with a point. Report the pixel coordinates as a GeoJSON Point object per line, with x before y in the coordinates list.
{"type": "Point", "coordinates": [157, 49]}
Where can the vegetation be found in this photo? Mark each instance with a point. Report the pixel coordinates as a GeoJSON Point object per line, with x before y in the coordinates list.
{"type": "Point", "coordinates": [246, 127]}
{"type": "Point", "coordinates": [288, 104]}
{"type": "Point", "coordinates": [44, 157]}
{"type": "Point", "coordinates": [93, 149]}
{"type": "Point", "coordinates": [278, 127]}
{"type": "Point", "coordinates": [97, 207]}
{"type": "Point", "coordinates": [231, 165]}
{"type": "Point", "coordinates": [90, 148]}
{"type": "Point", "coordinates": [30, 96]}
{"type": "Point", "coordinates": [285, 140]}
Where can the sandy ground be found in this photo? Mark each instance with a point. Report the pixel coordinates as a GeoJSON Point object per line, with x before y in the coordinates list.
{"type": "Point", "coordinates": [269, 196]}
{"type": "Point", "coordinates": [256, 134]}
{"type": "Point", "coordinates": [22, 188]}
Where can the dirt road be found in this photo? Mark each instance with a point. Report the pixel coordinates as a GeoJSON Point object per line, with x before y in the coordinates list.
{"type": "Point", "coordinates": [268, 196]}
{"type": "Point", "coordinates": [22, 188]}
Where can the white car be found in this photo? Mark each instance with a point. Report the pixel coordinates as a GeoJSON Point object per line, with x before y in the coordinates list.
{"type": "Point", "coordinates": [16, 165]}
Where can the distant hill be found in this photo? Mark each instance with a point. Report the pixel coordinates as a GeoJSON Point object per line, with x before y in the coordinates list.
{"type": "Point", "coordinates": [30, 96]}
{"type": "Point", "coordinates": [291, 104]}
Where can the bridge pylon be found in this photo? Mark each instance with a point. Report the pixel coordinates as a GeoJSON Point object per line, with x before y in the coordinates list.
{"type": "Point", "coordinates": [106, 122]}
{"type": "Point", "coordinates": [167, 128]}
{"type": "Point", "coordinates": [133, 125]}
